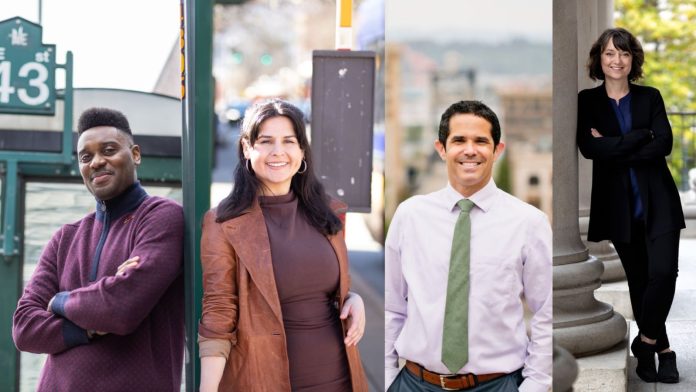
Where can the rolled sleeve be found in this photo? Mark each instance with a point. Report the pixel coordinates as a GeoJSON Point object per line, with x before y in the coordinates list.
{"type": "Point", "coordinates": [220, 297]}
{"type": "Point", "coordinates": [213, 347]}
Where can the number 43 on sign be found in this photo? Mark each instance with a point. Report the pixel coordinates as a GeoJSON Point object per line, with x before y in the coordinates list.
{"type": "Point", "coordinates": [27, 69]}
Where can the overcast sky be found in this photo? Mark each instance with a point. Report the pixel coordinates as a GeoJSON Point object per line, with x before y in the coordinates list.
{"type": "Point", "coordinates": [469, 20]}
{"type": "Point", "coordinates": [124, 43]}
{"type": "Point", "coordinates": [115, 43]}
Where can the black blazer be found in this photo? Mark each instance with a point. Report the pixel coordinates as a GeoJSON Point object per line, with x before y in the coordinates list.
{"type": "Point", "coordinates": [644, 149]}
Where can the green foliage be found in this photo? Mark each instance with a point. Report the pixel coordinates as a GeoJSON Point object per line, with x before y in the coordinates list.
{"type": "Point", "coordinates": [502, 177]}
{"type": "Point", "coordinates": [667, 30]}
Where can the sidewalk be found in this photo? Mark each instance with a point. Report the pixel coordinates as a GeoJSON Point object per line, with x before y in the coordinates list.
{"type": "Point", "coordinates": [367, 273]}
{"type": "Point", "coordinates": [681, 328]}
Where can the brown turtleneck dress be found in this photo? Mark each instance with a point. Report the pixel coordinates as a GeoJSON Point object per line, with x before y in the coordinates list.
{"type": "Point", "coordinates": [307, 275]}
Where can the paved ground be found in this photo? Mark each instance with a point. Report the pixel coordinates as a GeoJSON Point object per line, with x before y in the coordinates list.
{"type": "Point", "coordinates": [681, 328]}
{"type": "Point", "coordinates": [367, 270]}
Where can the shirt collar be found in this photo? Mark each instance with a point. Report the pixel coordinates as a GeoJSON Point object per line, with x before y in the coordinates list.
{"type": "Point", "coordinates": [127, 201]}
{"type": "Point", "coordinates": [483, 199]}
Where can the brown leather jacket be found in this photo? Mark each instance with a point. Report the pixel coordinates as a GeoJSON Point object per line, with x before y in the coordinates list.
{"type": "Point", "coordinates": [241, 318]}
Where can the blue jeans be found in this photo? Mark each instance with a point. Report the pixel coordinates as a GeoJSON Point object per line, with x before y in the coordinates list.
{"type": "Point", "coordinates": [407, 382]}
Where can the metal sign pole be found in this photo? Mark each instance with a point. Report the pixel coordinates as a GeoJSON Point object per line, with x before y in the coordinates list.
{"type": "Point", "coordinates": [197, 105]}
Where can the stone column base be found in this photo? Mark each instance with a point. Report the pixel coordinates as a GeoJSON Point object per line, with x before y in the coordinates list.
{"type": "Point", "coordinates": [616, 294]}
{"type": "Point", "coordinates": [565, 370]}
{"type": "Point", "coordinates": [588, 339]}
{"type": "Point", "coordinates": [613, 270]}
{"type": "Point", "coordinates": [604, 372]}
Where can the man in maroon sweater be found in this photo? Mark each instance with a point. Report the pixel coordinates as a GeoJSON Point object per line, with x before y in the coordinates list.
{"type": "Point", "coordinates": [106, 301]}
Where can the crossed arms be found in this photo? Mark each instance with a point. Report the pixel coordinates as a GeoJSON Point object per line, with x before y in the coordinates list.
{"type": "Point", "coordinates": [114, 304]}
{"type": "Point", "coordinates": [635, 147]}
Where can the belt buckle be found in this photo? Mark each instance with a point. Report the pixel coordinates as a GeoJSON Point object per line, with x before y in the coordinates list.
{"type": "Point", "coordinates": [443, 378]}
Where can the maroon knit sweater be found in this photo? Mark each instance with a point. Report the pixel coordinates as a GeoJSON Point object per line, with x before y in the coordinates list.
{"type": "Point", "coordinates": [142, 311]}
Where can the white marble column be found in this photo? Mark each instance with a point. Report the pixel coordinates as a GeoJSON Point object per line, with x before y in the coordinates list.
{"type": "Point", "coordinates": [582, 325]}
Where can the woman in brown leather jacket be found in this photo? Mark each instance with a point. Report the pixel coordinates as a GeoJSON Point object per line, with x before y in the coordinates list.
{"type": "Point", "coordinates": [277, 313]}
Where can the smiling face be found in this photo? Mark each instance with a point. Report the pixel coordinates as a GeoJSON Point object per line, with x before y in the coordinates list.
{"type": "Point", "coordinates": [616, 63]}
{"type": "Point", "coordinates": [108, 160]}
{"type": "Point", "coordinates": [469, 153]}
{"type": "Point", "coordinates": [275, 155]}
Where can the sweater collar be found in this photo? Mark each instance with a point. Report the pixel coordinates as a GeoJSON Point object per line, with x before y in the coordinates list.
{"type": "Point", "coordinates": [126, 202]}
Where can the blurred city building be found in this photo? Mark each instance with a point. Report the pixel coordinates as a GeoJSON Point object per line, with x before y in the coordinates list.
{"type": "Point", "coordinates": [425, 77]}
{"type": "Point", "coordinates": [169, 80]}
{"type": "Point", "coordinates": [526, 120]}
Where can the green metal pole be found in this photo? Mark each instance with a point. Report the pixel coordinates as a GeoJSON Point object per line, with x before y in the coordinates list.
{"type": "Point", "coordinates": [10, 277]}
{"type": "Point", "coordinates": [68, 109]}
{"type": "Point", "coordinates": [10, 211]}
{"type": "Point", "coordinates": [197, 159]}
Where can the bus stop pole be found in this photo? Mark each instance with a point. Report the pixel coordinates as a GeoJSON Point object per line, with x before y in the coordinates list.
{"type": "Point", "coordinates": [197, 104]}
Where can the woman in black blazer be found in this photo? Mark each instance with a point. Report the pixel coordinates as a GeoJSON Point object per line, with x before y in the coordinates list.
{"type": "Point", "coordinates": [623, 128]}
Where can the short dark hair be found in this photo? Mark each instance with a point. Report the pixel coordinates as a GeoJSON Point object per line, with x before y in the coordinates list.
{"type": "Point", "coordinates": [622, 40]}
{"type": "Point", "coordinates": [478, 109]}
{"type": "Point", "coordinates": [98, 117]}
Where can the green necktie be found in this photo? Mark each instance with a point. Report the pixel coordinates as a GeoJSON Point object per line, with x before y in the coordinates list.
{"type": "Point", "coordinates": [455, 334]}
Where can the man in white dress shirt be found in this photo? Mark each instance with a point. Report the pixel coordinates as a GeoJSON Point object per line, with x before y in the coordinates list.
{"type": "Point", "coordinates": [510, 260]}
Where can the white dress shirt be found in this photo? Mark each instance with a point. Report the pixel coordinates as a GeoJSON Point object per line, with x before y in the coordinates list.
{"type": "Point", "coordinates": [510, 258]}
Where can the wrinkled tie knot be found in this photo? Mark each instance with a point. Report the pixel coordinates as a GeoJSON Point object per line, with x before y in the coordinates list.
{"type": "Point", "coordinates": [465, 205]}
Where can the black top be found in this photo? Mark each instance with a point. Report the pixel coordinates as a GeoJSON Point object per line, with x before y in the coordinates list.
{"type": "Point", "coordinates": [642, 149]}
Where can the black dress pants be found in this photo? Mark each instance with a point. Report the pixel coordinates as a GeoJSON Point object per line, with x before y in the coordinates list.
{"type": "Point", "coordinates": [651, 271]}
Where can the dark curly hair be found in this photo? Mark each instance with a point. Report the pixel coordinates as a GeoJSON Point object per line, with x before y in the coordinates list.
{"type": "Point", "coordinates": [622, 40]}
{"type": "Point", "coordinates": [103, 117]}
{"type": "Point", "coordinates": [312, 200]}
{"type": "Point", "coordinates": [478, 109]}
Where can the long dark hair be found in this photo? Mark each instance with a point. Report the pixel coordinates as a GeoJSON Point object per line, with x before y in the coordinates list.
{"type": "Point", "coordinates": [311, 198]}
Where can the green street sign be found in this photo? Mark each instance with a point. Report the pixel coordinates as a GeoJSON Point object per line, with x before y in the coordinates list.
{"type": "Point", "coordinates": [27, 69]}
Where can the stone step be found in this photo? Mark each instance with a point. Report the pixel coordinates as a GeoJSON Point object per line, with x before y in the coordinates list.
{"type": "Point", "coordinates": [603, 372]}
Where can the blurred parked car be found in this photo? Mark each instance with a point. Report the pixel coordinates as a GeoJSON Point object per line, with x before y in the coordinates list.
{"type": "Point", "coordinates": [234, 111]}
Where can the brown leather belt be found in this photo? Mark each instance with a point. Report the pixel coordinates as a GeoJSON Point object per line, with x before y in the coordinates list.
{"type": "Point", "coordinates": [450, 382]}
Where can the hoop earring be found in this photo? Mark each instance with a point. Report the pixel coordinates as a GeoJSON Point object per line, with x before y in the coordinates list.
{"type": "Point", "coordinates": [247, 165]}
{"type": "Point", "coordinates": [302, 171]}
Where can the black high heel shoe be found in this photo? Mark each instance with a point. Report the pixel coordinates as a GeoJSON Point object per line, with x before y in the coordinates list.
{"type": "Point", "coordinates": [645, 354]}
{"type": "Point", "coordinates": [667, 371]}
